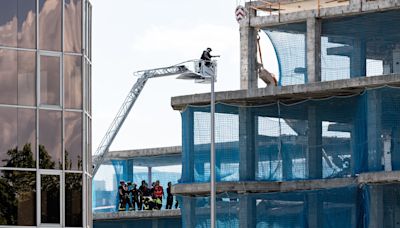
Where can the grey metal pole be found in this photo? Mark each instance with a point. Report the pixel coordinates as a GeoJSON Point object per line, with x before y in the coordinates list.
{"type": "Point", "coordinates": [212, 157]}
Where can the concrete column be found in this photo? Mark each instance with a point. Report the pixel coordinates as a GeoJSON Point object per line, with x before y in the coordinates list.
{"type": "Point", "coordinates": [149, 176]}
{"type": "Point", "coordinates": [314, 156]}
{"type": "Point", "coordinates": [374, 131]}
{"type": "Point", "coordinates": [313, 50]}
{"type": "Point", "coordinates": [314, 210]}
{"type": "Point", "coordinates": [154, 223]}
{"type": "Point", "coordinates": [287, 163]}
{"type": "Point", "coordinates": [358, 59]}
{"type": "Point", "coordinates": [188, 146]}
{"type": "Point", "coordinates": [248, 53]}
{"type": "Point", "coordinates": [188, 210]}
{"type": "Point", "coordinates": [129, 169]}
{"type": "Point", "coordinates": [247, 211]}
{"type": "Point", "coordinates": [376, 206]}
{"type": "Point", "coordinates": [359, 137]}
{"type": "Point", "coordinates": [247, 133]}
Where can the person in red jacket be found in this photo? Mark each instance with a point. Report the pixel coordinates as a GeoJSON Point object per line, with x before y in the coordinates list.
{"type": "Point", "coordinates": [158, 194]}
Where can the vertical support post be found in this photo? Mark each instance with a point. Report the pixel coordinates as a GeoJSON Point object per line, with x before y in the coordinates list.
{"type": "Point", "coordinates": [374, 130]}
{"type": "Point", "coordinates": [314, 210]}
{"type": "Point", "coordinates": [154, 223]}
{"type": "Point", "coordinates": [149, 175]}
{"type": "Point", "coordinates": [359, 137]}
{"type": "Point", "coordinates": [188, 161]}
{"type": "Point", "coordinates": [358, 59]}
{"type": "Point", "coordinates": [314, 156]}
{"type": "Point", "coordinates": [376, 206]}
{"type": "Point", "coordinates": [313, 49]}
{"type": "Point", "coordinates": [248, 53]}
{"type": "Point", "coordinates": [247, 132]}
{"type": "Point", "coordinates": [212, 157]}
{"type": "Point", "coordinates": [129, 167]}
{"type": "Point", "coordinates": [188, 211]}
{"type": "Point", "coordinates": [247, 211]}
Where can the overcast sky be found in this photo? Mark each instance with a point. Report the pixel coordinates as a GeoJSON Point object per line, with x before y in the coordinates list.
{"type": "Point", "coordinates": [134, 35]}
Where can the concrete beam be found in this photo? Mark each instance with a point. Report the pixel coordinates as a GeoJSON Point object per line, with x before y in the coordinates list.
{"type": "Point", "coordinates": [286, 186]}
{"type": "Point", "coordinates": [292, 93]}
{"type": "Point", "coordinates": [159, 151]}
{"type": "Point", "coordinates": [261, 187]}
{"type": "Point", "coordinates": [173, 213]}
{"type": "Point", "coordinates": [355, 7]}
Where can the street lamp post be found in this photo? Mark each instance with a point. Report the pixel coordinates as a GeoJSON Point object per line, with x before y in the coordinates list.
{"type": "Point", "coordinates": [204, 74]}
{"type": "Point", "coordinates": [212, 156]}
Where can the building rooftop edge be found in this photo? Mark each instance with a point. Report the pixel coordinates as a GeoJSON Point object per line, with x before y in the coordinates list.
{"type": "Point", "coordinates": [354, 7]}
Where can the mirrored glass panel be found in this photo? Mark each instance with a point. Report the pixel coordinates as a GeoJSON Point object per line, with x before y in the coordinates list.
{"type": "Point", "coordinates": [73, 140]}
{"type": "Point", "coordinates": [50, 139]}
{"type": "Point", "coordinates": [25, 157]}
{"type": "Point", "coordinates": [26, 78]}
{"type": "Point", "coordinates": [18, 131]}
{"type": "Point", "coordinates": [17, 198]}
{"type": "Point", "coordinates": [50, 24]}
{"type": "Point", "coordinates": [18, 23]}
{"type": "Point", "coordinates": [73, 199]}
{"type": "Point", "coordinates": [8, 136]}
{"type": "Point", "coordinates": [8, 22]}
{"type": "Point", "coordinates": [8, 76]}
{"type": "Point", "coordinates": [50, 199]}
{"type": "Point", "coordinates": [49, 80]}
{"type": "Point", "coordinates": [73, 26]}
{"type": "Point", "coordinates": [73, 82]}
{"type": "Point", "coordinates": [26, 23]}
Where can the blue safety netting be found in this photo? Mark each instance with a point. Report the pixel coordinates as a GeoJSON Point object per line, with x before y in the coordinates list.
{"type": "Point", "coordinates": [106, 182]}
{"type": "Point", "coordinates": [289, 41]}
{"type": "Point", "coordinates": [358, 46]}
{"type": "Point", "coordinates": [368, 205]}
{"type": "Point", "coordinates": [311, 139]}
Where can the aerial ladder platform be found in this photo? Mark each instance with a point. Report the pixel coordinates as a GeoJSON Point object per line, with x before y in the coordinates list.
{"type": "Point", "coordinates": [144, 75]}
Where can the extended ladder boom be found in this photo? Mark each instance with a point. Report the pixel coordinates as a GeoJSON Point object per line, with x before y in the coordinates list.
{"type": "Point", "coordinates": [126, 107]}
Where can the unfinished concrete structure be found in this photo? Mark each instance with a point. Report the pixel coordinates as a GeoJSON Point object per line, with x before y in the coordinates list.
{"type": "Point", "coordinates": [135, 165]}
{"type": "Point", "coordinates": [319, 150]}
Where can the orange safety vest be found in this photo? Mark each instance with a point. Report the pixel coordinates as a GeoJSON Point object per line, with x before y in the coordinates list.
{"type": "Point", "coordinates": [158, 191]}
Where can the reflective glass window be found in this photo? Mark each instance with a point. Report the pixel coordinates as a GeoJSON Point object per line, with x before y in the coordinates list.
{"type": "Point", "coordinates": [50, 24]}
{"type": "Point", "coordinates": [49, 80]}
{"type": "Point", "coordinates": [18, 131]}
{"type": "Point", "coordinates": [8, 22]}
{"type": "Point", "coordinates": [27, 23]}
{"type": "Point", "coordinates": [73, 82]}
{"type": "Point", "coordinates": [26, 78]}
{"type": "Point", "coordinates": [26, 153]}
{"type": "Point", "coordinates": [50, 199]}
{"type": "Point", "coordinates": [17, 198]}
{"type": "Point", "coordinates": [73, 26]}
{"type": "Point", "coordinates": [50, 139]}
{"type": "Point", "coordinates": [18, 23]}
{"type": "Point", "coordinates": [8, 76]}
{"type": "Point", "coordinates": [73, 140]}
{"type": "Point", "coordinates": [8, 136]}
{"type": "Point", "coordinates": [73, 200]}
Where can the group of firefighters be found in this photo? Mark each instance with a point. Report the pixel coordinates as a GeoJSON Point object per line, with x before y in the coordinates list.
{"type": "Point", "coordinates": [143, 198]}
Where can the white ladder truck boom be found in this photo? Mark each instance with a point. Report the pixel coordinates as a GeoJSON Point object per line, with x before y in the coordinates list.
{"type": "Point", "coordinates": [126, 107]}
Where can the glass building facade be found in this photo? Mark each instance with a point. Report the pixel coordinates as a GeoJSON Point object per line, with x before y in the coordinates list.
{"type": "Point", "coordinates": [45, 113]}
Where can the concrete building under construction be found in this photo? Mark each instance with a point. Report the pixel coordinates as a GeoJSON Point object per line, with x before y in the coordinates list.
{"type": "Point", "coordinates": [321, 149]}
